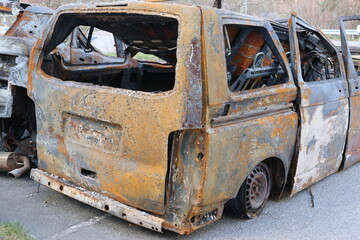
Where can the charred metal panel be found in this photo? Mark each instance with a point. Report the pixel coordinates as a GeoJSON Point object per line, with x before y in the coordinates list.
{"type": "Point", "coordinates": [194, 93]}
{"type": "Point", "coordinates": [246, 142]}
{"type": "Point", "coordinates": [323, 109]}
{"type": "Point", "coordinates": [322, 141]}
{"type": "Point", "coordinates": [185, 211]}
{"type": "Point", "coordinates": [98, 201]}
{"type": "Point", "coordinates": [246, 127]}
{"type": "Point", "coordinates": [352, 152]}
{"type": "Point", "coordinates": [132, 172]}
{"type": "Point", "coordinates": [216, 89]}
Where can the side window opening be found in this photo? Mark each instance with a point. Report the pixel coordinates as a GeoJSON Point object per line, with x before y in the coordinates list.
{"type": "Point", "coordinates": [353, 42]}
{"type": "Point", "coordinates": [250, 59]}
{"type": "Point", "coordinates": [318, 59]}
{"type": "Point", "coordinates": [129, 51]}
{"type": "Point", "coordinates": [282, 33]}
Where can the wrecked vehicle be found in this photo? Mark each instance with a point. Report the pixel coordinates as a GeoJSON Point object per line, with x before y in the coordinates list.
{"type": "Point", "coordinates": [227, 110]}
{"type": "Point", "coordinates": [17, 110]}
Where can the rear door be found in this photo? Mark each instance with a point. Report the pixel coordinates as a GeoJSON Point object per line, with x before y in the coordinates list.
{"type": "Point", "coordinates": [323, 104]}
{"type": "Point", "coordinates": [351, 56]}
{"type": "Point", "coordinates": [99, 131]}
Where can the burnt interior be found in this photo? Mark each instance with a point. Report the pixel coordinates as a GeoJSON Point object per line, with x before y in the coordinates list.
{"type": "Point", "coordinates": [134, 34]}
{"type": "Point", "coordinates": [318, 58]}
{"type": "Point", "coordinates": [19, 131]}
{"type": "Point", "coordinates": [250, 58]}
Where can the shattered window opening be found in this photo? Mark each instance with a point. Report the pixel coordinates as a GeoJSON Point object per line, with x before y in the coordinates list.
{"type": "Point", "coordinates": [144, 58]}
{"type": "Point", "coordinates": [251, 62]}
{"type": "Point", "coordinates": [353, 41]}
{"type": "Point", "coordinates": [318, 61]}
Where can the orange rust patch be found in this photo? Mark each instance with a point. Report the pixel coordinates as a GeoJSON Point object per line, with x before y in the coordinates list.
{"type": "Point", "coordinates": [61, 146]}
{"type": "Point", "coordinates": [277, 132]}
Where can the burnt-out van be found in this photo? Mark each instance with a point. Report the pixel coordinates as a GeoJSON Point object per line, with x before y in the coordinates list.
{"type": "Point", "coordinates": [195, 108]}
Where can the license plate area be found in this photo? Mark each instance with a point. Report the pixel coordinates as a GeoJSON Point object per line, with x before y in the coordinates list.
{"type": "Point", "coordinates": [93, 133]}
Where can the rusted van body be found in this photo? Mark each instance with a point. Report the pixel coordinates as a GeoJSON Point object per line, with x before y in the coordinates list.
{"type": "Point", "coordinates": [217, 114]}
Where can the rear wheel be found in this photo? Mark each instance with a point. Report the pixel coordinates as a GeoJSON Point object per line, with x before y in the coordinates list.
{"type": "Point", "coordinates": [253, 194]}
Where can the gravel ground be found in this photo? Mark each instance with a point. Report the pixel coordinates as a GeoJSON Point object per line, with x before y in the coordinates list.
{"type": "Point", "coordinates": [50, 215]}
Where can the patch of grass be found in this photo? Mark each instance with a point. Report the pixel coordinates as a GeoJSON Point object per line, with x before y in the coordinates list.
{"type": "Point", "coordinates": [13, 231]}
{"type": "Point", "coordinates": [140, 57]}
{"type": "Point", "coordinates": [148, 57]}
{"type": "Point", "coordinates": [111, 54]}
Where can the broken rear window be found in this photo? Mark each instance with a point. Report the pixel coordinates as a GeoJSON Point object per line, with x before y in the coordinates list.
{"type": "Point", "coordinates": [129, 51]}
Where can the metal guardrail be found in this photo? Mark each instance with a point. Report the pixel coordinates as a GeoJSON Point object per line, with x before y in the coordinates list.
{"type": "Point", "coordinates": [337, 32]}
{"type": "Point", "coordinates": [354, 33]}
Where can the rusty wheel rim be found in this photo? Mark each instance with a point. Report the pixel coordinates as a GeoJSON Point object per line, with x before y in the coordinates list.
{"type": "Point", "coordinates": [257, 187]}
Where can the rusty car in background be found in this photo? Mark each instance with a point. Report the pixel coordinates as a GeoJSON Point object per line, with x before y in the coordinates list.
{"type": "Point", "coordinates": [228, 110]}
{"type": "Point", "coordinates": [17, 110]}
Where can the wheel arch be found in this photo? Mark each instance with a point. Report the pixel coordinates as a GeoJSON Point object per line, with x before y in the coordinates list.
{"type": "Point", "coordinates": [278, 174]}
{"type": "Point", "coordinates": [239, 205]}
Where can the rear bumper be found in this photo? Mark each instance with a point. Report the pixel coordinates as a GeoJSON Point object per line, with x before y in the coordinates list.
{"type": "Point", "coordinates": [98, 201]}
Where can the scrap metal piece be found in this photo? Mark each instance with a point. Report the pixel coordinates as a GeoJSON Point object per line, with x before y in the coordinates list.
{"type": "Point", "coordinates": [352, 66]}
{"type": "Point", "coordinates": [13, 163]}
{"type": "Point", "coordinates": [323, 107]}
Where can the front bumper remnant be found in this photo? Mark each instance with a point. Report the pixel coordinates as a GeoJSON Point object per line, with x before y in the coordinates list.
{"type": "Point", "coordinates": [98, 201]}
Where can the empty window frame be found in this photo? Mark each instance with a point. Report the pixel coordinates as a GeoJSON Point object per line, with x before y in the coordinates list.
{"type": "Point", "coordinates": [352, 58]}
{"type": "Point", "coordinates": [144, 58]}
{"type": "Point", "coordinates": [318, 58]}
{"type": "Point", "coordinates": [250, 58]}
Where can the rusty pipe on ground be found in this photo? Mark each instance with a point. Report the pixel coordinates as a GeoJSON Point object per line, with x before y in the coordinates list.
{"type": "Point", "coordinates": [18, 172]}
{"type": "Point", "coordinates": [14, 163]}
